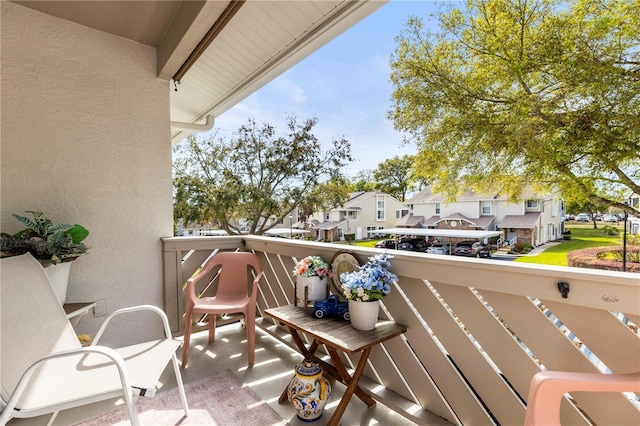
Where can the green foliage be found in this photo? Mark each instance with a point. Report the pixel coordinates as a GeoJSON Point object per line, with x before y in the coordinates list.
{"type": "Point", "coordinates": [582, 237]}
{"type": "Point", "coordinates": [255, 176]}
{"type": "Point", "coordinates": [610, 230]}
{"type": "Point", "coordinates": [49, 242]}
{"type": "Point", "coordinates": [513, 93]}
{"type": "Point", "coordinates": [395, 176]}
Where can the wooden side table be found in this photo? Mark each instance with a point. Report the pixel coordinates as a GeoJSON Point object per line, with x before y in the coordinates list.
{"type": "Point", "coordinates": [337, 335]}
{"type": "Point", "coordinates": [75, 311]}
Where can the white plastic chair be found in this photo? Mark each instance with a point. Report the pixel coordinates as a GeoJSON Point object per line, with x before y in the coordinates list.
{"type": "Point", "coordinates": [45, 369]}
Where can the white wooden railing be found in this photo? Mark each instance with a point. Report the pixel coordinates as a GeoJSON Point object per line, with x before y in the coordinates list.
{"type": "Point", "coordinates": [478, 329]}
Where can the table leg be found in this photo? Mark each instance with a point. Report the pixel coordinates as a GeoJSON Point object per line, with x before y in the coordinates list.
{"type": "Point", "coordinates": [305, 353]}
{"type": "Point", "coordinates": [351, 388]}
{"type": "Point", "coordinates": [347, 379]}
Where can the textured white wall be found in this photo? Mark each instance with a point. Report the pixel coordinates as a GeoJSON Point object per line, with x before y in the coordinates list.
{"type": "Point", "coordinates": [85, 138]}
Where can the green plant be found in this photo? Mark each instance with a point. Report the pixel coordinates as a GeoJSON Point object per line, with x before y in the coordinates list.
{"type": "Point", "coordinates": [610, 230]}
{"type": "Point", "coordinates": [48, 242]}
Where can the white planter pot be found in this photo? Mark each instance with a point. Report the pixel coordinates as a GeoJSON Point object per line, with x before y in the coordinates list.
{"type": "Point", "coordinates": [59, 277]}
{"type": "Point", "coordinates": [317, 288]}
{"type": "Point", "coordinates": [364, 315]}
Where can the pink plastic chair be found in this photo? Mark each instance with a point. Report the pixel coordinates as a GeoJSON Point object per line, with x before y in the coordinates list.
{"type": "Point", "coordinates": [233, 295]}
{"type": "Point", "coordinates": [548, 387]}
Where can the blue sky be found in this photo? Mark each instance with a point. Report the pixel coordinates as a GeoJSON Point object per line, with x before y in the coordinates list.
{"type": "Point", "coordinates": [345, 85]}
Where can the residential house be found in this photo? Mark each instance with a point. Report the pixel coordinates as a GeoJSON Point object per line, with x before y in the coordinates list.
{"type": "Point", "coordinates": [535, 219]}
{"type": "Point", "coordinates": [361, 215]}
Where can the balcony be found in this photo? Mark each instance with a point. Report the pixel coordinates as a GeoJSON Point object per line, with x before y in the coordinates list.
{"type": "Point", "coordinates": [478, 330]}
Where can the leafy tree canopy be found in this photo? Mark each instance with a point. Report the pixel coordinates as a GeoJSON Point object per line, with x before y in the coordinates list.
{"type": "Point", "coordinates": [511, 92]}
{"type": "Point", "coordinates": [395, 176]}
{"type": "Point", "coordinates": [255, 176]}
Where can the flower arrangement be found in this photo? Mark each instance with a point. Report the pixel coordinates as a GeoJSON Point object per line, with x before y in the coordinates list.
{"type": "Point", "coordinates": [312, 266]}
{"type": "Point", "coordinates": [371, 282]}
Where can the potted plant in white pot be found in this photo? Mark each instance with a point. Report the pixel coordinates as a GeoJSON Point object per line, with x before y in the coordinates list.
{"type": "Point", "coordinates": [312, 274]}
{"type": "Point", "coordinates": [55, 245]}
{"type": "Point", "coordinates": [365, 287]}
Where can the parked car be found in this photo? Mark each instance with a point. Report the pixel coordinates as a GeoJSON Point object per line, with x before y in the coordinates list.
{"type": "Point", "coordinates": [386, 244]}
{"type": "Point", "coordinates": [610, 218]}
{"type": "Point", "coordinates": [439, 248]}
{"type": "Point", "coordinates": [413, 244]}
{"type": "Point", "coordinates": [583, 217]}
{"type": "Point", "coordinates": [472, 248]}
{"type": "Point", "coordinates": [331, 306]}
{"type": "Point", "coordinates": [569, 217]}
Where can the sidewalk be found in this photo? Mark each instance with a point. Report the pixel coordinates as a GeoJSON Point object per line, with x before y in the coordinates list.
{"type": "Point", "coordinates": [535, 251]}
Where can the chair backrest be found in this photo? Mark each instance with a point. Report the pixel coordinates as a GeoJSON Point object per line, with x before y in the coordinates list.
{"type": "Point", "coordinates": [33, 323]}
{"type": "Point", "coordinates": [234, 280]}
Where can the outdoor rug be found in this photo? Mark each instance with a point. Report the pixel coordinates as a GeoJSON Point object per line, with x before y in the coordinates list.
{"type": "Point", "coordinates": [220, 399]}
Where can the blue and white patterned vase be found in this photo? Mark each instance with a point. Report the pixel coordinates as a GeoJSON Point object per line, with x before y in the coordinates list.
{"type": "Point", "coordinates": [308, 391]}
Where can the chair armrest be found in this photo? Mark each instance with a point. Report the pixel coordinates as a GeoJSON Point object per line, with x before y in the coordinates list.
{"type": "Point", "coordinates": [548, 387]}
{"type": "Point", "coordinates": [160, 312]}
{"type": "Point", "coordinates": [108, 352]}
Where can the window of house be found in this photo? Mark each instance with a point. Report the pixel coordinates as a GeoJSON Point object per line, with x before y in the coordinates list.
{"type": "Point", "coordinates": [486, 207]}
{"type": "Point", "coordinates": [401, 213]}
{"type": "Point", "coordinates": [380, 209]}
{"type": "Point", "coordinates": [352, 215]}
{"type": "Point", "coordinates": [437, 208]}
{"type": "Point", "coordinates": [532, 204]}
{"type": "Point", "coordinates": [326, 216]}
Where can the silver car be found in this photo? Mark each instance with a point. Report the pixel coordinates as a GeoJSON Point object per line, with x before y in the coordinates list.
{"type": "Point", "coordinates": [439, 248]}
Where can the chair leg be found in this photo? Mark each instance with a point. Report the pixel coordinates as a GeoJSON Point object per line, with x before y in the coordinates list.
{"type": "Point", "coordinates": [251, 338]}
{"type": "Point", "coordinates": [212, 327]}
{"type": "Point", "coordinates": [183, 396]}
{"type": "Point", "coordinates": [186, 338]}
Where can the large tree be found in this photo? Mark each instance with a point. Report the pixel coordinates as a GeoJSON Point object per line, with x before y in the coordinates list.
{"type": "Point", "coordinates": [513, 92]}
{"type": "Point", "coordinates": [255, 176]}
{"type": "Point", "coordinates": [395, 176]}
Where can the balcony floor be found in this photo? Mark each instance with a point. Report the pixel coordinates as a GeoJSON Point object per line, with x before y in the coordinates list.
{"type": "Point", "coordinates": [271, 373]}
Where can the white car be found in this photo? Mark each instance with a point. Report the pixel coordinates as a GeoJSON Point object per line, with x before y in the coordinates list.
{"type": "Point", "coordinates": [439, 248]}
{"type": "Point", "coordinates": [583, 217]}
{"type": "Point", "coordinates": [610, 218]}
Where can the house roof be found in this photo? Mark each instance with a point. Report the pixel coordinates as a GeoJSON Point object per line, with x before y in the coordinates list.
{"type": "Point", "coordinates": [526, 221]}
{"type": "Point", "coordinates": [427, 196]}
{"type": "Point", "coordinates": [480, 222]}
{"type": "Point", "coordinates": [330, 225]}
{"type": "Point", "coordinates": [409, 220]}
{"type": "Point", "coordinates": [251, 43]}
{"type": "Point", "coordinates": [357, 198]}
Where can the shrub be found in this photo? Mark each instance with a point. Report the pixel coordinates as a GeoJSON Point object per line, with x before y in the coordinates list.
{"type": "Point", "coordinates": [606, 258]}
{"type": "Point", "coordinates": [610, 230]}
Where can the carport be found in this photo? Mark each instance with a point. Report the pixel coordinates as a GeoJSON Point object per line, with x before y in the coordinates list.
{"type": "Point", "coordinates": [441, 233]}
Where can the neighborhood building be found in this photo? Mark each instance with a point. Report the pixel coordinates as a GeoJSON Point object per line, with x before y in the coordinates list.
{"type": "Point", "coordinates": [535, 219]}
{"type": "Point", "coordinates": [361, 215]}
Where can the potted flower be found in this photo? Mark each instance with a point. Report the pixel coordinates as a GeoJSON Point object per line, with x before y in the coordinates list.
{"type": "Point", "coordinates": [365, 287]}
{"type": "Point", "coordinates": [53, 244]}
{"type": "Point", "coordinates": [311, 278]}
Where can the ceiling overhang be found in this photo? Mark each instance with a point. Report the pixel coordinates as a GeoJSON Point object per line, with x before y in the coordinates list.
{"type": "Point", "coordinates": [259, 41]}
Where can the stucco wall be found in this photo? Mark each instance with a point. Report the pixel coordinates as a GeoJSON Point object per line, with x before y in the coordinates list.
{"type": "Point", "coordinates": [85, 138]}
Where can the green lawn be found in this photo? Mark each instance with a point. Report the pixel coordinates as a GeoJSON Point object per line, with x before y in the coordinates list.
{"type": "Point", "coordinates": [582, 236]}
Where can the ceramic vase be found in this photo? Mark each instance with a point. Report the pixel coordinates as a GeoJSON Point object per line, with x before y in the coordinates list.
{"type": "Point", "coordinates": [317, 288]}
{"type": "Point", "coordinates": [364, 315]}
{"type": "Point", "coordinates": [308, 391]}
{"type": "Point", "coordinates": [59, 277]}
